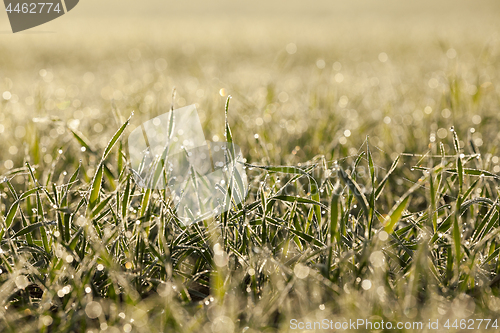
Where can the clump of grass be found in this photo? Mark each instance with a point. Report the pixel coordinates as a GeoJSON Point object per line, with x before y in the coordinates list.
{"type": "Point", "coordinates": [320, 240]}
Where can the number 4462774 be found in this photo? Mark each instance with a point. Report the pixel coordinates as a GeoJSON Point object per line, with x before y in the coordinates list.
{"type": "Point", "coordinates": [471, 324]}
{"type": "Point", "coordinates": [34, 8]}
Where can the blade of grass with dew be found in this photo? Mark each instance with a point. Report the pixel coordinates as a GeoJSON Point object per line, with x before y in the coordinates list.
{"type": "Point", "coordinates": [114, 139]}
{"type": "Point", "coordinates": [289, 198]}
{"type": "Point", "coordinates": [395, 213]}
{"type": "Point", "coordinates": [96, 187]}
{"type": "Point", "coordinates": [355, 189]}
{"type": "Point", "coordinates": [371, 202]}
{"type": "Point", "coordinates": [382, 183]}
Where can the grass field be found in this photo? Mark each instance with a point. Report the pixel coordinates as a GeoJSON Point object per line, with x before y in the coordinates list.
{"type": "Point", "coordinates": [370, 132]}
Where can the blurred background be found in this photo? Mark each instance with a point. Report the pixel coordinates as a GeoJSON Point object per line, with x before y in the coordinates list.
{"type": "Point", "coordinates": [316, 76]}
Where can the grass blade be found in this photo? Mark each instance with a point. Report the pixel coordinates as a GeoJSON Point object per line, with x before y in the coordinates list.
{"type": "Point", "coordinates": [355, 189]}
{"type": "Point", "coordinates": [114, 139]}
{"type": "Point", "coordinates": [395, 213]}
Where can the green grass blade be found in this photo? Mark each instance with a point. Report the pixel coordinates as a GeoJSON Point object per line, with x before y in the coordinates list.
{"type": "Point", "coordinates": [355, 189]}
{"type": "Point", "coordinates": [395, 213]}
{"type": "Point", "coordinates": [28, 229]}
{"type": "Point", "coordinates": [96, 188]}
{"type": "Point", "coordinates": [114, 139]}
{"type": "Point", "coordinates": [290, 198]}
{"type": "Point", "coordinates": [380, 186]}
